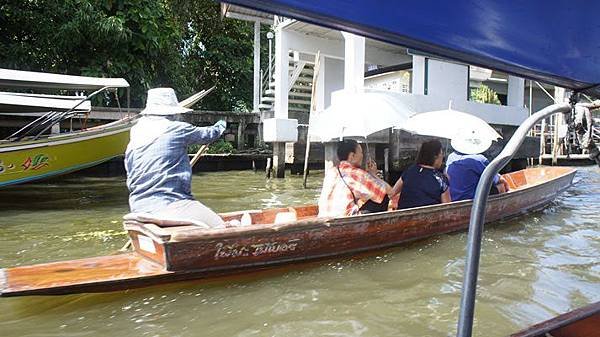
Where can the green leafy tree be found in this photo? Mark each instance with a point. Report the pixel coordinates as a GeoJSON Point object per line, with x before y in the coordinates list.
{"type": "Point", "coordinates": [178, 43]}
{"type": "Point", "coordinates": [485, 94]}
{"type": "Point", "coordinates": [134, 39]}
{"type": "Point", "coordinates": [218, 51]}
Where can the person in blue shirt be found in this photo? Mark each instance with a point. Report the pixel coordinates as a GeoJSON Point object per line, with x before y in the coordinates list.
{"type": "Point", "coordinates": [158, 167]}
{"type": "Point", "coordinates": [423, 183]}
{"type": "Point", "coordinates": [465, 166]}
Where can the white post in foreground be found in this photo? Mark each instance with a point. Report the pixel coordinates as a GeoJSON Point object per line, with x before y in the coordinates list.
{"type": "Point", "coordinates": [354, 61]}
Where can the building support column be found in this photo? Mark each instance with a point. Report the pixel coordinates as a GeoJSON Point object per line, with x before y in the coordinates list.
{"type": "Point", "coordinates": [257, 88]}
{"type": "Point", "coordinates": [240, 134]}
{"type": "Point", "coordinates": [560, 96]}
{"type": "Point", "coordinates": [516, 92]}
{"type": "Point", "coordinates": [281, 76]}
{"type": "Point", "coordinates": [354, 61]}
{"type": "Point", "coordinates": [282, 89]}
{"type": "Point", "coordinates": [419, 82]}
{"type": "Point", "coordinates": [279, 159]}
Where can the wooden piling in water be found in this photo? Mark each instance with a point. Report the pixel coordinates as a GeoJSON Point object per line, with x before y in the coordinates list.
{"type": "Point", "coordinates": [268, 168]}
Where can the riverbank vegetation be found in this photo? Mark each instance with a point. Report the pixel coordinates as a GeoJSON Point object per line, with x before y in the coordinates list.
{"type": "Point", "coordinates": [177, 43]}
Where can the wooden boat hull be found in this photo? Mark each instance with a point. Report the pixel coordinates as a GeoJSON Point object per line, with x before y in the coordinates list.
{"type": "Point", "coordinates": [188, 253]}
{"type": "Point", "coordinates": [582, 322]}
{"type": "Point", "coordinates": [34, 160]}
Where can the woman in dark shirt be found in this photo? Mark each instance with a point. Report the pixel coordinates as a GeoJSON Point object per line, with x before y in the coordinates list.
{"type": "Point", "coordinates": [423, 183]}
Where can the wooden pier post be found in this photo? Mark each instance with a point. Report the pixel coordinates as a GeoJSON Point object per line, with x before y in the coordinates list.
{"type": "Point", "coordinates": [268, 168]}
{"type": "Point", "coordinates": [386, 164]}
{"type": "Point", "coordinates": [279, 160]}
{"type": "Point", "coordinates": [240, 134]}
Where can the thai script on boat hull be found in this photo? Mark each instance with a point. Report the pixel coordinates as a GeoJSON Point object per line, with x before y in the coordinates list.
{"type": "Point", "coordinates": [235, 250]}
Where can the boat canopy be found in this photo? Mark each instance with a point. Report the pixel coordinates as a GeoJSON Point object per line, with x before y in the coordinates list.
{"type": "Point", "coordinates": [551, 41]}
{"type": "Point", "coordinates": [31, 80]}
{"type": "Point", "coordinates": [24, 103]}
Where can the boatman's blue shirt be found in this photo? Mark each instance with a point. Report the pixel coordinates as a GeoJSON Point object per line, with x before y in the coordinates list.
{"type": "Point", "coordinates": [464, 171]}
{"type": "Point", "coordinates": [157, 162]}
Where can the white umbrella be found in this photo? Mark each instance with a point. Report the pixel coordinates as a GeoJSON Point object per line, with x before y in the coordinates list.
{"type": "Point", "coordinates": [359, 114]}
{"type": "Point", "coordinates": [458, 126]}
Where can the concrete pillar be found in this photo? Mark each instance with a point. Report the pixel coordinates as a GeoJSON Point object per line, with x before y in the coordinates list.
{"type": "Point", "coordinates": [354, 61]}
{"type": "Point", "coordinates": [418, 75]}
{"type": "Point", "coordinates": [447, 80]}
{"type": "Point", "coordinates": [257, 88]}
{"type": "Point", "coordinates": [281, 76]}
{"type": "Point", "coordinates": [240, 134]}
{"type": "Point", "coordinates": [320, 93]}
{"type": "Point", "coordinates": [279, 160]}
{"type": "Point", "coordinates": [516, 91]}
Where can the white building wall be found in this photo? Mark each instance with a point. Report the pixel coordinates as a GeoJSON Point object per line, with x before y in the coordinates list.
{"type": "Point", "coordinates": [446, 80]}
{"type": "Point", "coordinates": [516, 91]}
{"type": "Point", "coordinates": [333, 77]}
{"type": "Point", "coordinates": [418, 75]}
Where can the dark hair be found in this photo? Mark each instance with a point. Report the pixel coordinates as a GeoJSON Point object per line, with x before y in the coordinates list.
{"type": "Point", "coordinates": [345, 147]}
{"type": "Point", "coordinates": [429, 150]}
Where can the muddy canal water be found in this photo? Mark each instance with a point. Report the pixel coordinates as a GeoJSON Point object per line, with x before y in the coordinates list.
{"type": "Point", "coordinates": [533, 267]}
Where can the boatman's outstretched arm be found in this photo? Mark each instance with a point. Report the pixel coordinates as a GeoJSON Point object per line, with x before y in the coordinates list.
{"type": "Point", "coordinates": [204, 135]}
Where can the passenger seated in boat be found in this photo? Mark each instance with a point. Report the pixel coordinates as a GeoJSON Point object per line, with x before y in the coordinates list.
{"type": "Point", "coordinates": [349, 190]}
{"type": "Point", "coordinates": [158, 167]}
{"type": "Point", "coordinates": [465, 166]}
{"type": "Point", "coordinates": [423, 183]}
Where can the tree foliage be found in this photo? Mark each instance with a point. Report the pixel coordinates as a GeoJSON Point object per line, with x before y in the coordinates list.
{"type": "Point", "coordinates": [182, 44]}
{"type": "Point", "coordinates": [485, 94]}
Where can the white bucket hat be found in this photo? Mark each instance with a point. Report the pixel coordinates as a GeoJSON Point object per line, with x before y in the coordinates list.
{"type": "Point", "coordinates": [163, 102]}
{"type": "Point", "coordinates": [470, 141]}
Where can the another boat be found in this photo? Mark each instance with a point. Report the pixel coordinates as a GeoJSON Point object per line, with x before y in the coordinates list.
{"type": "Point", "coordinates": [35, 159]}
{"type": "Point", "coordinates": [582, 322]}
{"type": "Point", "coordinates": [33, 152]}
{"type": "Point", "coordinates": [276, 237]}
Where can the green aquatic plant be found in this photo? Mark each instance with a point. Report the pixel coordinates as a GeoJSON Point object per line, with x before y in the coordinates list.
{"type": "Point", "coordinates": [219, 147]}
{"type": "Point", "coordinates": [485, 94]}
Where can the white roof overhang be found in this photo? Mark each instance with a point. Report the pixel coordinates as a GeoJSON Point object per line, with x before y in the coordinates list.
{"type": "Point", "coordinates": [30, 79]}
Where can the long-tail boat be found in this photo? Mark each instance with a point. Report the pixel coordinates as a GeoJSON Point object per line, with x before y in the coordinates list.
{"type": "Point", "coordinates": [34, 153]}
{"type": "Point", "coordinates": [183, 252]}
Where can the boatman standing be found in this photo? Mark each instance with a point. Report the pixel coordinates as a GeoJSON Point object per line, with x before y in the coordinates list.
{"type": "Point", "coordinates": [158, 167]}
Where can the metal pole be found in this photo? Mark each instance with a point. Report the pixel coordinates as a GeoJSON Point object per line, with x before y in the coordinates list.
{"type": "Point", "coordinates": [467, 301]}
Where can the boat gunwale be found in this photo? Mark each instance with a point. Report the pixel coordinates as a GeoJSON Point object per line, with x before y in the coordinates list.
{"type": "Point", "coordinates": [165, 276]}
{"type": "Point", "coordinates": [560, 321]}
{"type": "Point", "coordinates": [362, 218]}
{"type": "Point", "coordinates": [68, 138]}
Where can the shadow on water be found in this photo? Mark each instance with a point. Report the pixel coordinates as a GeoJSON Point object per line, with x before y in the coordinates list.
{"type": "Point", "coordinates": [65, 194]}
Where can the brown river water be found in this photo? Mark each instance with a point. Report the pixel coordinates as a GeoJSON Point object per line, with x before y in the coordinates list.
{"type": "Point", "coordinates": [532, 268]}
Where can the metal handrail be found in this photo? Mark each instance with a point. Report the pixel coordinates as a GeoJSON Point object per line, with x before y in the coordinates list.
{"type": "Point", "coordinates": [467, 302]}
